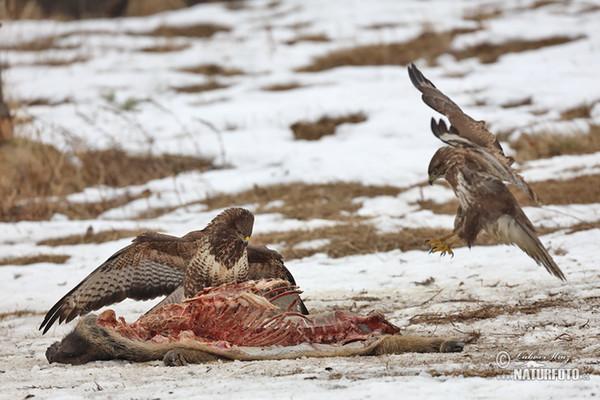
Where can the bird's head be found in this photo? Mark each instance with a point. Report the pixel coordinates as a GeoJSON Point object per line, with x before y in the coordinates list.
{"type": "Point", "coordinates": [439, 164]}
{"type": "Point", "coordinates": [236, 221]}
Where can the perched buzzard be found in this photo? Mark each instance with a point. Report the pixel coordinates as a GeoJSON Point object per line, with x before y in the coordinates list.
{"type": "Point", "coordinates": [476, 168]}
{"type": "Point", "coordinates": [156, 265]}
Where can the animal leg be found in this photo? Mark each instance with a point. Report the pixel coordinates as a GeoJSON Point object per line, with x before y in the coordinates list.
{"type": "Point", "coordinates": [183, 356]}
{"type": "Point", "coordinates": [397, 344]}
{"type": "Point", "coordinates": [443, 245]}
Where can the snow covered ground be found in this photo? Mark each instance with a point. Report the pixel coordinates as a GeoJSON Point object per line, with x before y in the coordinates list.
{"type": "Point", "coordinates": [392, 147]}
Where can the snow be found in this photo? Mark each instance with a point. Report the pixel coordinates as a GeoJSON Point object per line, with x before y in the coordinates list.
{"type": "Point", "coordinates": [393, 147]}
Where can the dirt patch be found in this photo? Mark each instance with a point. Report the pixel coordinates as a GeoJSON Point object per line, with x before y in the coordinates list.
{"type": "Point", "coordinates": [324, 126]}
{"type": "Point", "coordinates": [347, 239]}
{"type": "Point", "coordinates": [550, 144]}
{"type": "Point", "coordinates": [308, 38]}
{"type": "Point", "coordinates": [428, 45]}
{"type": "Point", "coordinates": [194, 31]}
{"type": "Point", "coordinates": [282, 87]}
{"type": "Point", "coordinates": [200, 87]}
{"type": "Point", "coordinates": [91, 237]}
{"type": "Point", "coordinates": [303, 201]}
{"type": "Point", "coordinates": [38, 258]}
{"type": "Point", "coordinates": [581, 111]}
{"type": "Point", "coordinates": [165, 48]}
{"type": "Point", "coordinates": [518, 103]}
{"type": "Point", "coordinates": [488, 311]}
{"type": "Point", "coordinates": [488, 53]}
{"type": "Point", "coordinates": [212, 70]}
{"type": "Point", "coordinates": [33, 170]}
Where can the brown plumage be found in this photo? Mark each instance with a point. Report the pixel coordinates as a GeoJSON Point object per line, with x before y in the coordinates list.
{"type": "Point", "coordinates": [465, 132]}
{"type": "Point", "coordinates": [476, 169]}
{"type": "Point", "coordinates": [156, 265]}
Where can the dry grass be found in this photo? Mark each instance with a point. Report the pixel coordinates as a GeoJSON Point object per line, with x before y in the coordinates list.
{"type": "Point", "coordinates": [347, 239]}
{"type": "Point", "coordinates": [194, 31]}
{"type": "Point", "coordinates": [550, 144]}
{"type": "Point", "coordinates": [200, 87]}
{"type": "Point", "coordinates": [282, 87]}
{"type": "Point", "coordinates": [165, 48]}
{"type": "Point", "coordinates": [308, 38]}
{"type": "Point", "coordinates": [581, 111]}
{"type": "Point", "coordinates": [32, 170]}
{"type": "Point", "coordinates": [518, 103]}
{"type": "Point", "coordinates": [54, 61]}
{"type": "Point", "coordinates": [91, 237]}
{"type": "Point", "coordinates": [428, 45]}
{"type": "Point", "coordinates": [488, 311]}
{"type": "Point", "coordinates": [324, 126]}
{"type": "Point", "coordinates": [303, 201]}
{"type": "Point", "coordinates": [212, 70]}
{"type": "Point", "coordinates": [40, 44]}
{"type": "Point", "coordinates": [38, 258]}
{"type": "Point", "coordinates": [488, 53]}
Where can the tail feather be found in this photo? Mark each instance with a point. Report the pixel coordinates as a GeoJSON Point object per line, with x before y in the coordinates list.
{"type": "Point", "coordinates": [515, 232]}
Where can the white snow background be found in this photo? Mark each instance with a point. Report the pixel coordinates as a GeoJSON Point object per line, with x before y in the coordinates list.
{"type": "Point", "coordinates": [392, 147]}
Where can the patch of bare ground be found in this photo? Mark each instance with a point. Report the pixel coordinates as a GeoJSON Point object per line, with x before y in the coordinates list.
{"type": "Point", "coordinates": [165, 48]}
{"type": "Point", "coordinates": [40, 44]}
{"type": "Point", "coordinates": [92, 237]}
{"type": "Point", "coordinates": [212, 70]}
{"type": "Point", "coordinates": [308, 38]}
{"type": "Point", "coordinates": [581, 111]}
{"type": "Point", "coordinates": [280, 87]}
{"type": "Point", "coordinates": [303, 201]}
{"type": "Point", "coordinates": [347, 239]}
{"type": "Point", "coordinates": [200, 87]}
{"type": "Point", "coordinates": [54, 61]}
{"type": "Point", "coordinates": [488, 53]}
{"type": "Point", "coordinates": [550, 144]}
{"type": "Point", "coordinates": [33, 171]}
{"type": "Point", "coordinates": [324, 126]}
{"type": "Point", "coordinates": [194, 31]}
{"type": "Point", "coordinates": [488, 311]}
{"type": "Point", "coordinates": [428, 45]}
{"type": "Point", "coordinates": [19, 314]}
{"type": "Point", "coordinates": [38, 258]}
{"type": "Point", "coordinates": [527, 101]}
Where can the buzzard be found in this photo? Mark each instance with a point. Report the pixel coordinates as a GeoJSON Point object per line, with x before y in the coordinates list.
{"type": "Point", "coordinates": [156, 264]}
{"type": "Point", "coordinates": [476, 168]}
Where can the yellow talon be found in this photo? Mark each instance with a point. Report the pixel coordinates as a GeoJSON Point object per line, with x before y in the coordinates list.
{"type": "Point", "coordinates": [442, 245]}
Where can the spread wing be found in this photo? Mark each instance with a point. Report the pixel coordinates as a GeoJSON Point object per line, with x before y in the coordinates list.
{"type": "Point", "coordinates": [484, 161]}
{"type": "Point", "coordinates": [153, 265]}
{"type": "Point", "coordinates": [265, 263]}
{"type": "Point", "coordinates": [464, 129]}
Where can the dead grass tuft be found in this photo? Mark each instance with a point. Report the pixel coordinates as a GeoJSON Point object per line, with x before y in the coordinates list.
{"type": "Point", "coordinates": [196, 31]}
{"type": "Point", "coordinates": [91, 237]}
{"type": "Point", "coordinates": [584, 189]}
{"type": "Point", "coordinates": [19, 313]}
{"type": "Point", "coordinates": [582, 111]}
{"type": "Point", "coordinates": [38, 258]}
{"type": "Point", "coordinates": [40, 44]}
{"type": "Point", "coordinates": [165, 48]}
{"type": "Point", "coordinates": [347, 239]}
{"type": "Point", "coordinates": [282, 87]}
{"type": "Point", "coordinates": [303, 201]}
{"type": "Point", "coordinates": [199, 88]}
{"type": "Point", "coordinates": [428, 45]}
{"type": "Point", "coordinates": [550, 144]}
{"type": "Point", "coordinates": [488, 311]}
{"type": "Point", "coordinates": [212, 70]}
{"type": "Point", "coordinates": [54, 61]}
{"type": "Point", "coordinates": [324, 126]}
{"type": "Point", "coordinates": [488, 53]}
{"type": "Point", "coordinates": [33, 170]}
{"type": "Point", "coordinates": [308, 38]}
{"type": "Point", "coordinates": [518, 103]}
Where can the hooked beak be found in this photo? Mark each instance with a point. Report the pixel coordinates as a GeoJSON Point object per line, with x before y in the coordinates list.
{"type": "Point", "coordinates": [432, 179]}
{"type": "Point", "coordinates": [247, 239]}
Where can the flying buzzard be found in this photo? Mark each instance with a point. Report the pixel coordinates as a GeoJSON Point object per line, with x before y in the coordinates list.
{"type": "Point", "coordinates": [156, 265]}
{"type": "Point", "coordinates": [476, 168]}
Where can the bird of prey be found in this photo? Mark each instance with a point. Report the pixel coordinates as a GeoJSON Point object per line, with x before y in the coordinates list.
{"type": "Point", "coordinates": [476, 168]}
{"type": "Point", "coordinates": [156, 264]}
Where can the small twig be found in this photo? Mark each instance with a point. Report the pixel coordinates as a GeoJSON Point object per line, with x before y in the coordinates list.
{"type": "Point", "coordinates": [431, 298]}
